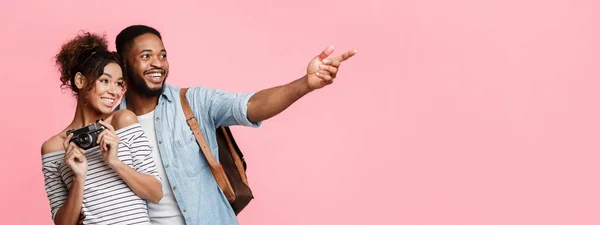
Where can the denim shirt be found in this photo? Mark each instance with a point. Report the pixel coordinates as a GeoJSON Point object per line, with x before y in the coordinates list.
{"type": "Point", "coordinates": [199, 197]}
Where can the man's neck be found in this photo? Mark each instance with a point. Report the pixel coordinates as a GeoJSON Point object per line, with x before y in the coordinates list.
{"type": "Point", "coordinates": [139, 104]}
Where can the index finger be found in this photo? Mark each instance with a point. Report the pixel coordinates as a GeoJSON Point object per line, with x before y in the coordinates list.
{"type": "Point", "coordinates": [67, 140]}
{"type": "Point", "coordinates": [70, 147]}
{"type": "Point", "coordinates": [108, 126]}
{"type": "Point", "coordinates": [346, 55]}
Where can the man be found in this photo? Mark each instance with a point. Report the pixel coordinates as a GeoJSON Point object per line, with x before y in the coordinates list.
{"type": "Point", "coordinates": [191, 194]}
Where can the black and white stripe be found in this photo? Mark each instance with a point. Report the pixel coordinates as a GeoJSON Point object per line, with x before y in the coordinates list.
{"type": "Point", "coordinates": [106, 198]}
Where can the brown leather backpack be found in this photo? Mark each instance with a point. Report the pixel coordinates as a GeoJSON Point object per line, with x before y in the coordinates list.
{"type": "Point", "coordinates": [230, 173]}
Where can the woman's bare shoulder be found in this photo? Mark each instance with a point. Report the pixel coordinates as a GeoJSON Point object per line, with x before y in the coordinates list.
{"type": "Point", "coordinates": [123, 118]}
{"type": "Point", "coordinates": [54, 144]}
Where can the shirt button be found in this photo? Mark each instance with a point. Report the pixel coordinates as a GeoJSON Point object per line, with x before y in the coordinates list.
{"type": "Point", "coordinates": [156, 118]}
{"type": "Point", "coordinates": [184, 209]}
{"type": "Point", "coordinates": [160, 142]}
{"type": "Point", "coordinates": [174, 188]}
{"type": "Point", "coordinates": [163, 103]}
{"type": "Point", "coordinates": [167, 166]}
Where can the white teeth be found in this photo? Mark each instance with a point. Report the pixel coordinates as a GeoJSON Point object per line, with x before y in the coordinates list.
{"type": "Point", "coordinates": [108, 100]}
{"type": "Point", "coordinates": [154, 75]}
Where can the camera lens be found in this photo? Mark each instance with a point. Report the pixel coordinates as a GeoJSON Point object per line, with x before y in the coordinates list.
{"type": "Point", "coordinates": [84, 140]}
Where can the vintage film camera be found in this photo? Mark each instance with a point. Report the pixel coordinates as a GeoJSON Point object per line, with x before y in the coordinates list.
{"type": "Point", "coordinates": [86, 136]}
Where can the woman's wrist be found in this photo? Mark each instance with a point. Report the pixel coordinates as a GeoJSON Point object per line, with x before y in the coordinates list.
{"type": "Point", "coordinates": [115, 164]}
{"type": "Point", "coordinates": [79, 180]}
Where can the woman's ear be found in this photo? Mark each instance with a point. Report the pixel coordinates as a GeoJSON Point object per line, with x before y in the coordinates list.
{"type": "Point", "coordinates": [80, 80]}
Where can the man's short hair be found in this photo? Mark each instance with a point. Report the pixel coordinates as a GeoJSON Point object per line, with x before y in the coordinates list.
{"type": "Point", "coordinates": [126, 36]}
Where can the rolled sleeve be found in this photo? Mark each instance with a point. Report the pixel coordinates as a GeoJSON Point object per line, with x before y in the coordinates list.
{"type": "Point", "coordinates": [224, 108]}
{"type": "Point", "coordinates": [240, 111]}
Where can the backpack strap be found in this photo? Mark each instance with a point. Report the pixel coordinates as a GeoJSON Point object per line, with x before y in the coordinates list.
{"type": "Point", "coordinates": [215, 167]}
{"type": "Point", "coordinates": [236, 157]}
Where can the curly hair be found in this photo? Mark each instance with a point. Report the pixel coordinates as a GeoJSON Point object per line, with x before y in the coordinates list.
{"type": "Point", "coordinates": [87, 54]}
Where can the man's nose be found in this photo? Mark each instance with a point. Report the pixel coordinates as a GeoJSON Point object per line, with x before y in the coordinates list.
{"type": "Point", "coordinates": [156, 62]}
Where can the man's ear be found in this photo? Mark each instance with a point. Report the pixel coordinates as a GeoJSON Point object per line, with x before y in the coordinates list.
{"type": "Point", "coordinates": [80, 80]}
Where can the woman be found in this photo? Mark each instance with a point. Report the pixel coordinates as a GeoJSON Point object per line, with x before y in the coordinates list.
{"type": "Point", "coordinates": [109, 181]}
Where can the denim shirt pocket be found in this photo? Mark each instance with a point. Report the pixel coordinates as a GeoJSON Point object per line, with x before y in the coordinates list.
{"type": "Point", "coordinates": [190, 157]}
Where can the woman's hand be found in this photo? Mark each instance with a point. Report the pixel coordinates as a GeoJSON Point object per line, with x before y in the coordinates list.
{"type": "Point", "coordinates": [75, 159]}
{"type": "Point", "coordinates": [109, 143]}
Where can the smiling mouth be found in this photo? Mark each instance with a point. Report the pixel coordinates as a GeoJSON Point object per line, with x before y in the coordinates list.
{"type": "Point", "coordinates": [108, 100]}
{"type": "Point", "coordinates": [153, 75]}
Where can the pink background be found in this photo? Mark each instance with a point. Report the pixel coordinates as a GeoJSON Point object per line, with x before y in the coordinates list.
{"type": "Point", "coordinates": [453, 112]}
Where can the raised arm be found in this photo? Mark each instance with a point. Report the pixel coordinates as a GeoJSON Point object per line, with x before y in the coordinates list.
{"type": "Point", "coordinates": [320, 73]}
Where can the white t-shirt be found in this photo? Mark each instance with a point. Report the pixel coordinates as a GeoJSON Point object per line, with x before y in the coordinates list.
{"type": "Point", "coordinates": [166, 211]}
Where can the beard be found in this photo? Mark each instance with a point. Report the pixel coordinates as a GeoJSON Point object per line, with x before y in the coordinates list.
{"type": "Point", "coordinates": [138, 85]}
